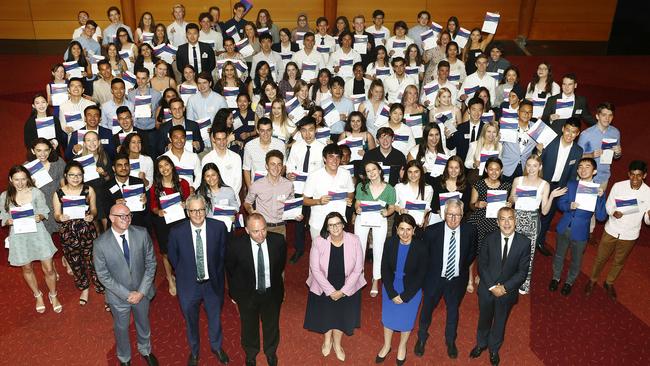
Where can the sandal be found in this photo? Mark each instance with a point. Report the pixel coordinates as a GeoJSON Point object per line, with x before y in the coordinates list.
{"type": "Point", "coordinates": [58, 308]}
{"type": "Point", "coordinates": [107, 308]}
{"type": "Point", "coordinates": [40, 309]}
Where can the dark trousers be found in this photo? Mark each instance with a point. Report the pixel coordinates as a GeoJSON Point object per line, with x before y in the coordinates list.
{"type": "Point", "coordinates": [453, 291]}
{"type": "Point", "coordinates": [299, 240]}
{"type": "Point", "coordinates": [517, 173]}
{"type": "Point", "coordinates": [190, 307]}
{"type": "Point", "coordinates": [493, 315]}
{"type": "Point", "coordinates": [264, 307]}
{"type": "Point", "coordinates": [545, 220]}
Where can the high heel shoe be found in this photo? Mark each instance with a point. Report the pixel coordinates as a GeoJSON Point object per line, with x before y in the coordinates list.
{"type": "Point", "coordinates": [340, 353]}
{"type": "Point", "coordinates": [57, 309]}
{"type": "Point", "coordinates": [379, 359]}
{"type": "Point", "coordinates": [39, 309]}
{"type": "Point", "coordinates": [400, 362]}
{"type": "Point", "coordinates": [326, 349]}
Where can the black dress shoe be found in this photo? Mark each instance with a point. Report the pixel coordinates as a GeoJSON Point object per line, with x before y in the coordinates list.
{"type": "Point", "coordinates": [494, 358]}
{"type": "Point", "coordinates": [151, 359]}
{"type": "Point", "coordinates": [272, 360]}
{"type": "Point", "coordinates": [400, 362]}
{"type": "Point", "coordinates": [419, 348]}
{"type": "Point", "coordinates": [553, 285]}
{"type": "Point", "coordinates": [610, 291]}
{"type": "Point", "coordinates": [545, 252]}
{"type": "Point", "coordinates": [476, 352]}
{"type": "Point", "coordinates": [193, 360]}
{"type": "Point", "coordinates": [379, 359]}
{"type": "Point", "coordinates": [127, 363]}
{"type": "Point", "coordinates": [566, 289]}
{"type": "Point", "coordinates": [590, 287]}
{"type": "Point", "coordinates": [452, 351]}
{"type": "Point", "coordinates": [296, 256]}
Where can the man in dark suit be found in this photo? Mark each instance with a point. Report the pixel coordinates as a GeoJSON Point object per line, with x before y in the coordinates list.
{"type": "Point", "coordinates": [113, 192]}
{"type": "Point", "coordinates": [125, 119]}
{"type": "Point", "coordinates": [195, 53]}
{"type": "Point", "coordinates": [92, 115]}
{"type": "Point", "coordinates": [255, 268]}
{"type": "Point", "coordinates": [580, 108]}
{"type": "Point", "coordinates": [451, 251]}
{"type": "Point", "coordinates": [468, 132]}
{"type": "Point", "coordinates": [196, 251]}
{"type": "Point", "coordinates": [177, 108]}
{"type": "Point", "coordinates": [503, 262]}
{"type": "Point", "coordinates": [126, 265]}
{"type": "Point", "coordinates": [559, 165]}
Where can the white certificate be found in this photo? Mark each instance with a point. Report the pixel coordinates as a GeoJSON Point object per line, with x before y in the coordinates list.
{"type": "Point", "coordinates": [189, 138]}
{"type": "Point", "coordinates": [245, 48]}
{"type": "Point", "coordinates": [417, 209]}
{"type": "Point", "coordinates": [330, 113]}
{"type": "Point", "coordinates": [361, 44]}
{"type": "Point", "coordinates": [74, 207]}
{"type": "Point", "coordinates": [439, 166]}
{"type": "Point", "coordinates": [371, 213]}
{"type": "Point", "coordinates": [485, 155]}
{"type": "Point", "coordinates": [542, 133]}
{"type": "Point", "coordinates": [230, 93]}
{"type": "Point", "coordinates": [626, 204]}
{"type": "Point", "coordinates": [414, 121]}
{"type": "Point", "coordinates": [309, 71]}
{"type": "Point", "coordinates": [132, 194]}
{"type": "Point", "coordinates": [587, 195]}
{"type": "Point", "coordinates": [496, 198]}
{"type": "Point", "coordinates": [292, 208]}
{"type": "Point", "coordinates": [435, 218]}
{"type": "Point", "coordinates": [187, 91]}
{"type": "Point", "coordinates": [24, 220]}
{"type": "Point", "coordinates": [295, 110]}
{"type": "Point", "coordinates": [508, 131]}
{"type": "Point", "coordinates": [526, 198]}
{"type": "Point", "coordinates": [607, 146]}
{"type": "Point", "coordinates": [39, 174]}
{"type": "Point", "coordinates": [382, 117]}
{"type": "Point", "coordinates": [299, 182]}
{"type": "Point", "coordinates": [538, 107]}
{"type": "Point", "coordinates": [490, 23]}
{"type": "Point", "coordinates": [58, 93]}
{"type": "Point", "coordinates": [142, 106]}
{"type": "Point", "coordinates": [462, 37]}
{"type": "Point", "coordinates": [345, 68]}
{"type": "Point", "coordinates": [45, 127]}
{"type": "Point", "coordinates": [564, 108]}
{"type": "Point", "coordinates": [171, 204]}
{"type": "Point", "coordinates": [429, 39]}
{"type": "Point", "coordinates": [356, 147]}
{"type": "Point", "coordinates": [225, 214]}
{"type": "Point", "coordinates": [90, 167]}
{"type": "Point", "coordinates": [74, 120]}
{"type": "Point", "coordinates": [338, 202]}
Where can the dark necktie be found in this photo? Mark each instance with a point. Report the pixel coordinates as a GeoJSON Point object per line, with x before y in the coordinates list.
{"type": "Point", "coordinates": [451, 257]}
{"type": "Point", "coordinates": [305, 163]}
{"type": "Point", "coordinates": [261, 283]}
{"type": "Point", "coordinates": [200, 266]}
{"type": "Point", "coordinates": [505, 252]}
{"type": "Point", "coordinates": [125, 248]}
{"type": "Point", "coordinates": [196, 59]}
{"type": "Point", "coordinates": [322, 41]}
{"type": "Point", "coordinates": [473, 137]}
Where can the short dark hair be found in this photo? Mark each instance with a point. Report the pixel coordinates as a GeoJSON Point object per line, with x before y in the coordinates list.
{"type": "Point", "coordinates": [142, 69]}
{"type": "Point", "coordinates": [385, 131]}
{"type": "Point", "coordinates": [405, 218]}
{"type": "Point", "coordinates": [265, 36]}
{"type": "Point", "coordinates": [400, 24]}
{"type": "Point", "coordinates": [571, 76]}
{"type": "Point", "coordinates": [122, 109]}
{"type": "Point", "coordinates": [377, 13]}
{"type": "Point", "coordinates": [606, 105]}
{"type": "Point", "coordinates": [324, 232]}
{"type": "Point", "coordinates": [309, 34]}
{"type": "Point", "coordinates": [80, 80]}
{"type": "Point", "coordinates": [205, 76]}
{"type": "Point", "coordinates": [91, 22]}
{"type": "Point", "coordinates": [443, 63]}
{"type": "Point", "coordinates": [238, 5]}
{"type": "Point", "coordinates": [274, 154]}
{"type": "Point", "coordinates": [424, 12]}
{"type": "Point", "coordinates": [396, 60]}
{"type": "Point", "coordinates": [264, 121]}
{"type": "Point", "coordinates": [116, 80]}
{"type": "Point", "coordinates": [638, 165]}
{"type": "Point", "coordinates": [573, 121]}
{"type": "Point", "coordinates": [92, 107]}
{"type": "Point", "coordinates": [476, 100]}
{"type": "Point", "coordinates": [120, 156]}
{"type": "Point", "coordinates": [177, 128]}
{"type": "Point", "coordinates": [103, 62]}
{"type": "Point", "coordinates": [110, 9]}
{"type": "Point", "coordinates": [176, 100]}
{"type": "Point", "coordinates": [591, 161]}
{"type": "Point", "coordinates": [219, 128]}
{"type": "Point", "coordinates": [321, 19]}
{"type": "Point", "coordinates": [490, 160]}
{"type": "Point", "coordinates": [332, 149]}
{"type": "Point", "coordinates": [337, 80]}
{"type": "Point", "coordinates": [205, 15]}
{"type": "Point", "coordinates": [525, 102]}
{"type": "Point", "coordinates": [192, 26]}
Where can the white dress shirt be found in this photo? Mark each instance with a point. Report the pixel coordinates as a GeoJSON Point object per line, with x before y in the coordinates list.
{"type": "Point", "coordinates": [230, 167]}
{"type": "Point", "coordinates": [629, 225]}
{"type": "Point", "coordinates": [297, 156]}
{"type": "Point", "coordinates": [176, 33]}
{"type": "Point", "coordinates": [267, 266]}
{"type": "Point", "coordinates": [445, 251]}
{"type": "Point", "coordinates": [562, 155]}
{"type": "Point", "coordinates": [205, 247]}
{"type": "Point", "coordinates": [475, 80]}
{"type": "Point", "coordinates": [188, 160]}
{"type": "Point", "coordinates": [118, 238]}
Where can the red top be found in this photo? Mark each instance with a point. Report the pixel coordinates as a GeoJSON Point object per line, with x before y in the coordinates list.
{"type": "Point", "coordinates": [153, 200]}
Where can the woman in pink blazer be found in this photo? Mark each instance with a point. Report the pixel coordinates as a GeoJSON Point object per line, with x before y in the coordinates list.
{"type": "Point", "coordinates": [335, 278]}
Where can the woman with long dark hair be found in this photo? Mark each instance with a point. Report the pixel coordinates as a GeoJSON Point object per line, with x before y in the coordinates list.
{"type": "Point", "coordinates": [413, 187]}
{"type": "Point", "coordinates": [214, 190]}
{"type": "Point", "coordinates": [40, 112]}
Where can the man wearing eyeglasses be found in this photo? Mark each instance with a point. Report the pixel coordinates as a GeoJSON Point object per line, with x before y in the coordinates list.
{"type": "Point", "coordinates": [126, 265]}
{"type": "Point", "coordinates": [451, 251]}
{"type": "Point", "coordinates": [196, 250]}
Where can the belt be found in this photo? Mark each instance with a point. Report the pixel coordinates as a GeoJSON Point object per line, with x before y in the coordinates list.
{"type": "Point", "coordinates": [281, 223]}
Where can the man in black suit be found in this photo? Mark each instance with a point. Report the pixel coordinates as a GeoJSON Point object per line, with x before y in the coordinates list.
{"type": "Point", "coordinates": [177, 109]}
{"type": "Point", "coordinates": [195, 53]}
{"type": "Point", "coordinates": [125, 119]}
{"type": "Point", "coordinates": [559, 165]}
{"type": "Point", "coordinates": [451, 251]}
{"type": "Point", "coordinates": [114, 190]}
{"type": "Point", "coordinates": [467, 132]}
{"type": "Point", "coordinates": [580, 108]}
{"type": "Point", "coordinates": [255, 269]}
{"type": "Point", "coordinates": [503, 262]}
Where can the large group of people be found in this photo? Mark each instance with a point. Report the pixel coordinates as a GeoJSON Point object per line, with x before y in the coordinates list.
{"type": "Point", "coordinates": [420, 149]}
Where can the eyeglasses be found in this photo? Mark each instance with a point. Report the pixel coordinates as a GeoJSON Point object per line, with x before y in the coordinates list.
{"type": "Point", "coordinates": [335, 225]}
{"type": "Point", "coordinates": [75, 175]}
{"type": "Point", "coordinates": [454, 216]}
{"type": "Point", "coordinates": [126, 217]}
{"type": "Point", "coordinates": [196, 212]}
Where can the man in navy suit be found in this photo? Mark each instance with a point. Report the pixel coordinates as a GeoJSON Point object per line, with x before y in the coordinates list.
{"type": "Point", "coordinates": [451, 251]}
{"type": "Point", "coordinates": [579, 110]}
{"type": "Point", "coordinates": [468, 132]}
{"type": "Point", "coordinates": [177, 109]}
{"type": "Point", "coordinates": [503, 262]}
{"type": "Point", "coordinates": [92, 115]}
{"type": "Point", "coordinates": [197, 252]}
{"type": "Point", "coordinates": [195, 53]}
{"type": "Point", "coordinates": [559, 166]}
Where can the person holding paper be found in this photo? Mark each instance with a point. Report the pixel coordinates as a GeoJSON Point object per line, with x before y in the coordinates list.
{"type": "Point", "coordinates": [397, 82]}
{"type": "Point", "coordinates": [146, 24]}
{"type": "Point", "coordinates": [515, 154]}
{"type": "Point", "coordinates": [452, 248]}
{"type": "Point", "coordinates": [22, 201]}
{"type": "Point", "coordinates": [414, 112]}
{"type": "Point", "coordinates": [379, 68]}
{"type": "Point", "coordinates": [343, 105]}
{"type": "Point", "coordinates": [228, 161]}
{"type": "Point", "coordinates": [209, 35]}
{"type": "Point", "coordinates": [74, 107]}
{"type": "Point", "coordinates": [413, 187]}
{"type": "Point", "coordinates": [115, 17]}
{"type": "Point", "coordinates": [166, 182]}
{"type": "Point", "coordinates": [113, 190]}
{"type": "Point", "coordinates": [206, 103]}
{"type": "Point", "coordinates": [268, 55]}
{"type": "Point", "coordinates": [231, 54]}
{"type": "Point", "coordinates": [503, 261]}
{"type": "Point", "coordinates": [507, 79]}
{"type": "Point", "coordinates": [628, 205]}
{"type": "Point", "coordinates": [82, 18]}
{"type": "Point", "coordinates": [593, 142]}
{"type": "Point", "coordinates": [256, 149]}
{"type": "Point", "coordinates": [542, 85]}
{"type": "Point", "coordinates": [573, 227]}
{"type": "Point", "coordinates": [144, 118]}
{"type": "Point", "coordinates": [264, 21]}
{"type": "Point", "coordinates": [118, 65]}
{"type": "Point", "coordinates": [75, 209]}
{"type": "Point", "coordinates": [467, 133]}
{"type": "Point", "coordinates": [284, 127]}
{"type": "Point", "coordinates": [373, 190]}
{"type": "Point", "coordinates": [132, 146]}
{"type": "Point", "coordinates": [101, 88]}
{"type": "Point", "coordinates": [422, 26]}
{"type": "Point", "coordinates": [197, 252]}
{"type": "Point", "coordinates": [127, 49]}
{"type": "Point", "coordinates": [328, 189]}
{"type": "Point", "coordinates": [76, 60]}
{"type": "Point", "coordinates": [41, 125]}
{"type": "Point", "coordinates": [289, 80]}
{"type": "Point", "coordinates": [215, 191]}
{"type": "Point", "coordinates": [309, 53]}
{"type": "Point", "coordinates": [335, 280]}
{"type": "Point", "coordinates": [269, 193]}
{"type": "Point", "coordinates": [177, 108]}
{"type": "Point", "coordinates": [125, 121]}
{"type": "Point", "coordinates": [478, 79]}
{"type": "Point", "coordinates": [237, 21]}
{"type": "Point", "coordinates": [396, 45]}
{"type": "Point", "coordinates": [188, 163]}
{"type": "Point", "coordinates": [359, 34]}
{"type": "Point", "coordinates": [346, 53]}
{"type": "Point", "coordinates": [160, 35]}
{"type": "Point", "coordinates": [162, 77]}
{"type": "Point", "coordinates": [404, 140]}
{"type": "Point", "coordinates": [528, 193]}
{"type": "Point", "coordinates": [57, 88]}
{"type": "Point", "coordinates": [456, 65]}
{"type": "Point", "coordinates": [110, 107]}
{"type": "Point", "coordinates": [474, 47]}
{"type": "Point", "coordinates": [373, 105]}
{"type": "Point", "coordinates": [379, 32]}
{"type": "Point", "coordinates": [98, 172]}
{"type": "Point", "coordinates": [453, 180]}
{"type": "Point", "coordinates": [92, 115]}
{"type": "Point", "coordinates": [559, 165]}
{"type": "Point", "coordinates": [355, 127]}
{"type": "Point", "coordinates": [488, 144]}
{"type": "Point", "coordinates": [570, 105]}
{"type": "Point", "coordinates": [386, 155]}
{"type": "Point", "coordinates": [403, 269]}
{"type": "Point", "coordinates": [250, 39]}
{"type": "Point", "coordinates": [497, 63]}
{"type": "Point", "coordinates": [511, 102]}
{"type": "Point", "coordinates": [267, 91]}
{"type": "Point", "coordinates": [229, 79]}
{"type": "Point", "coordinates": [426, 152]}
{"type": "Point", "coordinates": [443, 110]}
{"type": "Point", "coordinates": [359, 85]}
{"type": "Point", "coordinates": [434, 56]}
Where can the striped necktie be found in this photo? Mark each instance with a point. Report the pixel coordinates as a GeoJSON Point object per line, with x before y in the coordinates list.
{"type": "Point", "coordinates": [451, 257]}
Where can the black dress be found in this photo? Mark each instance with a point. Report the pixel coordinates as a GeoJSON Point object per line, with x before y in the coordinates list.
{"type": "Point", "coordinates": [323, 313]}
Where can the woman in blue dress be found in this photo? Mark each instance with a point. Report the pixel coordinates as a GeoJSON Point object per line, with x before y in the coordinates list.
{"type": "Point", "coordinates": [403, 268]}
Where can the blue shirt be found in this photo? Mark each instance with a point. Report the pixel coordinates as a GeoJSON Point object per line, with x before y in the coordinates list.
{"type": "Point", "coordinates": [109, 110]}
{"type": "Point", "coordinates": [109, 33]}
{"type": "Point", "coordinates": [344, 106]}
{"type": "Point", "coordinates": [512, 155]}
{"type": "Point", "coordinates": [591, 140]}
{"type": "Point", "coordinates": [148, 123]}
{"type": "Point", "coordinates": [89, 45]}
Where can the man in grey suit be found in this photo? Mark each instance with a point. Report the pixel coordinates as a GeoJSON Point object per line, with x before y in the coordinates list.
{"type": "Point", "coordinates": [125, 264]}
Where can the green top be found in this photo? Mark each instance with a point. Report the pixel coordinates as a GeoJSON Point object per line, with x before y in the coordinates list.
{"type": "Point", "coordinates": [388, 195]}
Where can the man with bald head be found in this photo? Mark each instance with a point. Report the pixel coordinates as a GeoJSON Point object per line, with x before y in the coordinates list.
{"type": "Point", "coordinates": [126, 265]}
{"type": "Point", "coordinates": [255, 269]}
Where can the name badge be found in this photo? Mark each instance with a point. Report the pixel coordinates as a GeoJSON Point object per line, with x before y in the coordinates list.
{"type": "Point", "coordinates": [103, 141]}
{"type": "Point", "coordinates": [572, 162]}
{"type": "Point", "coordinates": [282, 197]}
{"type": "Point", "coordinates": [578, 111]}
{"type": "Point", "coordinates": [204, 55]}
{"type": "Point", "coordinates": [114, 189]}
{"type": "Point", "coordinates": [467, 136]}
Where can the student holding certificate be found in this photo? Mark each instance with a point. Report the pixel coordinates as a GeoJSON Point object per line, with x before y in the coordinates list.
{"type": "Point", "coordinates": [475, 47]}
{"type": "Point", "coordinates": [567, 104]}
{"type": "Point", "coordinates": [92, 146]}
{"type": "Point", "coordinates": [487, 145]}
{"type": "Point", "coordinates": [41, 124]}
{"type": "Point", "coordinates": [214, 190]}
{"type": "Point", "coordinates": [491, 180]}
{"type": "Point", "coordinates": [453, 179]}
{"type": "Point", "coordinates": [373, 189]}
{"type": "Point", "coordinates": [31, 246]}
{"type": "Point", "coordinates": [527, 194]}
{"type": "Point", "coordinates": [75, 209]}
{"type": "Point", "coordinates": [165, 182]}
{"type": "Point", "coordinates": [413, 187]}
{"type": "Point", "coordinates": [355, 127]}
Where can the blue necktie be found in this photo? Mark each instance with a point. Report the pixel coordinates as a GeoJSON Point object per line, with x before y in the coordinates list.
{"type": "Point", "coordinates": [200, 264]}
{"type": "Point", "coordinates": [451, 257]}
{"type": "Point", "coordinates": [125, 248]}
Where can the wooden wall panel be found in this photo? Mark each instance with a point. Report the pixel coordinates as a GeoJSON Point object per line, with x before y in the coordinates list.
{"type": "Point", "coordinates": [15, 10]}
{"type": "Point", "coordinates": [16, 29]}
{"type": "Point", "coordinates": [573, 20]}
{"type": "Point", "coordinates": [68, 9]}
